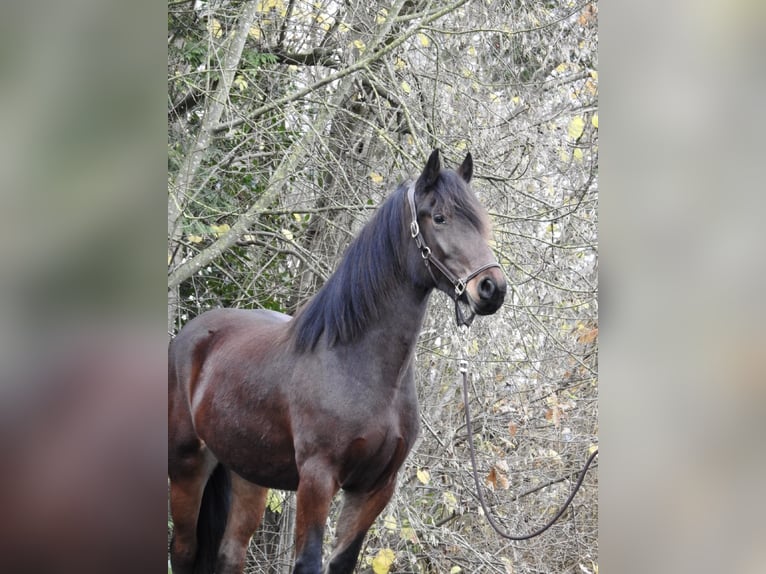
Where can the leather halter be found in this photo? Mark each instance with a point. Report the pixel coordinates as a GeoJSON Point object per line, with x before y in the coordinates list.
{"type": "Point", "coordinates": [429, 259]}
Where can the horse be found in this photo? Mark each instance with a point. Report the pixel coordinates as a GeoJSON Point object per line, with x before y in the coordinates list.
{"type": "Point", "coordinates": [326, 400]}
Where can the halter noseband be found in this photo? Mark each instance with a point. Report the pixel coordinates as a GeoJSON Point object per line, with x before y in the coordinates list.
{"type": "Point", "coordinates": [459, 283]}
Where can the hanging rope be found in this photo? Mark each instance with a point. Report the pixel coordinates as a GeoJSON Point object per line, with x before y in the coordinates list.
{"type": "Point", "coordinates": [463, 368]}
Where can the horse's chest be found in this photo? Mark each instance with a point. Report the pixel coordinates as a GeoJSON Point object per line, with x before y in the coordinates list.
{"type": "Point", "coordinates": [371, 459]}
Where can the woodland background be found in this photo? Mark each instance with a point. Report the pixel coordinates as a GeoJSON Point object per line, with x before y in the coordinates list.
{"type": "Point", "coordinates": [289, 122]}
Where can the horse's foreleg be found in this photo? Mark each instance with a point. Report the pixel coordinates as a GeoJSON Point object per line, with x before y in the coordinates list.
{"type": "Point", "coordinates": [316, 488]}
{"type": "Point", "coordinates": [248, 503]}
{"type": "Point", "coordinates": [359, 512]}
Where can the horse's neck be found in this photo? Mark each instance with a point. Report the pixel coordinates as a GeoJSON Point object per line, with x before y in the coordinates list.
{"type": "Point", "coordinates": [397, 327]}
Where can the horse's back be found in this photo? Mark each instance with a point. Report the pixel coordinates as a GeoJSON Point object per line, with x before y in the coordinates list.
{"type": "Point", "coordinates": [224, 319]}
{"type": "Point", "coordinates": [224, 324]}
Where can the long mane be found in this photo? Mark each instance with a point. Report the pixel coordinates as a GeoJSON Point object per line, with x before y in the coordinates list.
{"type": "Point", "coordinates": [369, 269]}
{"type": "Point", "coordinates": [373, 264]}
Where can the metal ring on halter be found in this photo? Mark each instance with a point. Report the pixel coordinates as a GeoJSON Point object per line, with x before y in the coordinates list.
{"type": "Point", "coordinates": [425, 252]}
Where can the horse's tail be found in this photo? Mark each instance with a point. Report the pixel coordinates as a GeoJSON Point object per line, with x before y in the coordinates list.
{"type": "Point", "coordinates": [213, 513]}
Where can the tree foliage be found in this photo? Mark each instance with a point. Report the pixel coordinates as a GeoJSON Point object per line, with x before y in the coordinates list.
{"type": "Point", "coordinates": [289, 121]}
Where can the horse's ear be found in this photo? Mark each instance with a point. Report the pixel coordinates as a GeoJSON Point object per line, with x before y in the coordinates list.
{"type": "Point", "coordinates": [431, 171]}
{"type": "Point", "coordinates": [466, 168]}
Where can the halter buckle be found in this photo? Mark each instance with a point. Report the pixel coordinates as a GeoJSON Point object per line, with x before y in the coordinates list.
{"type": "Point", "coordinates": [414, 228]}
{"type": "Point", "coordinates": [459, 287]}
{"type": "Point", "coordinates": [425, 252]}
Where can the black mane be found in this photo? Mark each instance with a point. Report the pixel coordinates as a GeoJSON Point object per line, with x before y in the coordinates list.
{"type": "Point", "coordinates": [370, 267]}
{"type": "Point", "coordinates": [373, 264]}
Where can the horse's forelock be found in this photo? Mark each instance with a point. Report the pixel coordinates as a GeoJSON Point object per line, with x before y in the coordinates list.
{"type": "Point", "coordinates": [457, 197]}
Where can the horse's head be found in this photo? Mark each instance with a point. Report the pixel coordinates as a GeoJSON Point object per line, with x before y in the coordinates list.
{"type": "Point", "coordinates": [451, 229]}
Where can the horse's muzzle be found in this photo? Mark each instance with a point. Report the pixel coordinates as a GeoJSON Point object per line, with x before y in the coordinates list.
{"type": "Point", "coordinates": [489, 292]}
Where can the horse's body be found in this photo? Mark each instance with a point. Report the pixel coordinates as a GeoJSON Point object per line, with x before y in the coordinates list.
{"type": "Point", "coordinates": [324, 401]}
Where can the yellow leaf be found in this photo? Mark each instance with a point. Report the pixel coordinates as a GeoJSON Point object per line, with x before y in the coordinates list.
{"type": "Point", "coordinates": [298, 217]}
{"type": "Point", "coordinates": [423, 475]}
{"type": "Point", "coordinates": [594, 121]}
{"type": "Point", "coordinates": [287, 234]}
{"type": "Point", "coordinates": [424, 40]}
{"type": "Point", "coordinates": [471, 51]}
{"type": "Point", "coordinates": [577, 154]}
{"type": "Point", "coordinates": [594, 75]}
{"type": "Point", "coordinates": [450, 501]}
{"type": "Point", "coordinates": [215, 28]}
{"type": "Point", "coordinates": [576, 127]}
{"type": "Point", "coordinates": [265, 6]}
{"type": "Point", "coordinates": [240, 83]}
{"type": "Point", "coordinates": [382, 16]}
{"type": "Point", "coordinates": [343, 28]}
{"type": "Point", "coordinates": [406, 88]}
{"type": "Point", "coordinates": [408, 533]}
{"type": "Point", "coordinates": [255, 31]}
{"type": "Point", "coordinates": [376, 177]}
{"type": "Point", "coordinates": [219, 230]}
{"type": "Point", "coordinates": [383, 560]}
{"type": "Point", "coordinates": [359, 45]}
{"type": "Point", "coordinates": [195, 238]}
{"type": "Point", "coordinates": [400, 64]}
{"type": "Point", "coordinates": [389, 522]}
{"type": "Point", "coordinates": [274, 501]}
{"type": "Point", "coordinates": [455, 570]}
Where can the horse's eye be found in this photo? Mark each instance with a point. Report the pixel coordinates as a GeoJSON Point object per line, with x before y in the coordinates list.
{"type": "Point", "coordinates": [439, 219]}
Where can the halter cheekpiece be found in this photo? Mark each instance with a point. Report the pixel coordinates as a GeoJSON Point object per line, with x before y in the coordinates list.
{"type": "Point", "coordinates": [459, 283]}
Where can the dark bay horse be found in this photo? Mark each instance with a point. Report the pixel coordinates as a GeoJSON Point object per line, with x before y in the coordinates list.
{"type": "Point", "coordinates": [326, 400]}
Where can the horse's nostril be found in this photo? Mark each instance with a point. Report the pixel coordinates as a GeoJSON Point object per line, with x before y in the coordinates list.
{"type": "Point", "coordinates": [486, 288]}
